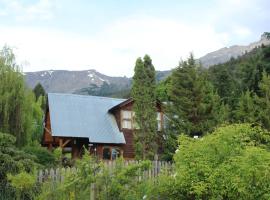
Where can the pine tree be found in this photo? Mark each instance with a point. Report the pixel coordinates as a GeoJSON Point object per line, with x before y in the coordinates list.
{"type": "Point", "coordinates": [143, 94]}
{"type": "Point", "coordinates": [194, 105]}
{"type": "Point", "coordinates": [264, 114]}
{"type": "Point", "coordinates": [247, 109]}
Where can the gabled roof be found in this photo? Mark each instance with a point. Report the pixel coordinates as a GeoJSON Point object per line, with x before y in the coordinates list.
{"type": "Point", "coordinates": [123, 103]}
{"type": "Point", "coordinates": [84, 116]}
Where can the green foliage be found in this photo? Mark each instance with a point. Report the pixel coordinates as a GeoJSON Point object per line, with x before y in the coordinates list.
{"type": "Point", "coordinates": [39, 91]}
{"type": "Point", "coordinates": [107, 90]}
{"type": "Point", "coordinates": [24, 184]}
{"type": "Point", "coordinates": [162, 90]}
{"type": "Point", "coordinates": [267, 34]}
{"type": "Point", "coordinates": [119, 182]}
{"type": "Point", "coordinates": [194, 106]}
{"type": "Point", "coordinates": [17, 103]}
{"type": "Point", "coordinates": [264, 110]}
{"type": "Point", "coordinates": [42, 156]}
{"type": "Point", "coordinates": [122, 182]}
{"type": "Point", "coordinates": [247, 109]}
{"type": "Point", "coordinates": [231, 163]}
{"type": "Point", "coordinates": [233, 78]}
{"type": "Point", "coordinates": [40, 95]}
{"type": "Point", "coordinates": [143, 93]}
{"type": "Point", "coordinates": [13, 161]}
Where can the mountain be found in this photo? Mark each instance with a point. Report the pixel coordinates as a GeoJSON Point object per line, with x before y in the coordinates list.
{"type": "Point", "coordinates": [71, 81]}
{"type": "Point", "coordinates": [88, 82]}
{"type": "Point", "coordinates": [225, 54]}
{"type": "Point", "coordinates": [91, 82]}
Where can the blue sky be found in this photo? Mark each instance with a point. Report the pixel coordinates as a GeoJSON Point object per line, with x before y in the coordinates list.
{"type": "Point", "coordinates": [109, 35]}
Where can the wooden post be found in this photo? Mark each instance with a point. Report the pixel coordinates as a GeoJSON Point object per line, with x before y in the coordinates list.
{"type": "Point", "coordinates": [61, 143]}
{"type": "Point", "coordinates": [50, 146]}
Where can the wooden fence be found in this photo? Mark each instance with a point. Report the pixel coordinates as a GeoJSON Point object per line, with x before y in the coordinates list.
{"type": "Point", "coordinates": [58, 174]}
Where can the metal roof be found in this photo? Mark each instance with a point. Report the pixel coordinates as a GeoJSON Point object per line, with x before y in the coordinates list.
{"type": "Point", "coordinates": [84, 116]}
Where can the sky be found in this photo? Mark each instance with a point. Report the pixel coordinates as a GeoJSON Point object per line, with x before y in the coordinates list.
{"type": "Point", "coordinates": [109, 35]}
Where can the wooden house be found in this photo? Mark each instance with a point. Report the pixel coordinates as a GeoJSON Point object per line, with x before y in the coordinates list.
{"type": "Point", "coordinates": [104, 126]}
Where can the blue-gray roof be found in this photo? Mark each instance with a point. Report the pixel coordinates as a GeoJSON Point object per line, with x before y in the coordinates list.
{"type": "Point", "coordinates": [84, 116]}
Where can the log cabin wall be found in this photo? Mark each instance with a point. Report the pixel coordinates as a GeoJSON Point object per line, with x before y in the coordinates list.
{"type": "Point", "coordinates": [128, 148]}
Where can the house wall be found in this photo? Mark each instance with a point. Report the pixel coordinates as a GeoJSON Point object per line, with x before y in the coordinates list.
{"type": "Point", "coordinates": [128, 148]}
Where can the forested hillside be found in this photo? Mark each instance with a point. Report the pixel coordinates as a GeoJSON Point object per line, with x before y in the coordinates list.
{"type": "Point", "coordinates": [201, 99]}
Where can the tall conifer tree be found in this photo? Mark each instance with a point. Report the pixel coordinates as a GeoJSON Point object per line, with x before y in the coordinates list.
{"type": "Point", "coordinates": [143, 93]}
{"type": "Point", "coordinates": [195, 107]}
{"type": "Point", "coordinates": [247, 109]}
{"type": "Point", "coordinates": [265, 101]}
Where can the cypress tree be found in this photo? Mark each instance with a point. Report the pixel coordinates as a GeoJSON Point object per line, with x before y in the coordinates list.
{"type": "Point", "coordinates": [143, 94]}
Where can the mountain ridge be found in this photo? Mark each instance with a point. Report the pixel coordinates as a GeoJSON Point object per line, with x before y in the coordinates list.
{"type": "Point", "coordinates": [92, 82]}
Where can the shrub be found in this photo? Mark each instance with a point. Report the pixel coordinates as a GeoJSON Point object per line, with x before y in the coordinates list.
{"type": "Point", "coordinates": [231, 163]}
{"type": "Point", "coordinates": [12, 162]}
{"type": "Point", "coordinates": [24, 184]}
{"type": "Point", "coordinates": [42, 155]}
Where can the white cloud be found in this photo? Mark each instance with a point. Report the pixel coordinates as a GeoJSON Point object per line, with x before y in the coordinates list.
{"type": "Point", "coordinates": [42, 9]}
{"type": "Point", "coordinates": [114, 50]}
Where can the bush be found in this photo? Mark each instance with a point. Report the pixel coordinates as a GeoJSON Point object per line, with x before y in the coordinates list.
{"type": "Point", "coordinates": [24, 185]}
{"type": "Point", "coordinates": [42, 156]}
{"type": "Point", "coordinates": [231, 163]}
{"type": "Point", "coordinates": [120, 182]}
{"type": "Point", "coordinates": [12, 162]}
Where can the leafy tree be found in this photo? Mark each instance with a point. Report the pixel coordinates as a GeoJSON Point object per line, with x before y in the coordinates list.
{"type": "Point", "coordinates": [143, 93]}
{"type": "Point", "coordinates": [16, 101]}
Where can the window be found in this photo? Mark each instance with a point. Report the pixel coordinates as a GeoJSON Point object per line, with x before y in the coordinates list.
{"type": "Point", "coordinates": [111, 153]}
{"type": "Point", "coordinates": [159, 121]}
{"type": "Point", "coordinates": [126, 117]}
{"type": "Point", "coordinates": [115, 153]}
{"type": "Point", "coordinates": [106, 153]}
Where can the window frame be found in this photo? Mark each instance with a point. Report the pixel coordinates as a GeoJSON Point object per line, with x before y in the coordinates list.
{"type": "Point", "coordinates": [130, 120]}
{"type": "Point", "coordinates": [159, 120]}
{"type": "Point", "coordinates": [111, 148]}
